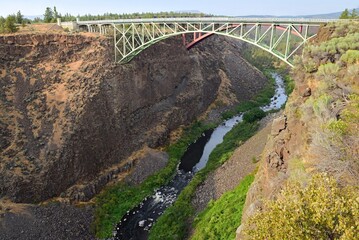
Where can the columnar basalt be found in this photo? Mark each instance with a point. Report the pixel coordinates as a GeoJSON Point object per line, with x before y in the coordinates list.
{"type": "Point", "coordinates": [70, 116]}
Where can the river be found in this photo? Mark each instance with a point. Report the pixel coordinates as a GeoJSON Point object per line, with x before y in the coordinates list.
{"type": "Point", "coordinates": [135, 225]}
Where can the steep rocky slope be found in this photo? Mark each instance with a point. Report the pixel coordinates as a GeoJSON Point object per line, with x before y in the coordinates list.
{"type": "Point", "coordinates": [70, 117]}
{"type": "Point", "coordinates": [318, 132]}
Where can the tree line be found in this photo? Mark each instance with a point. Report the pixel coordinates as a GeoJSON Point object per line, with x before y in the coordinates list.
{"type": "Point", "coordinates": [51, 15]}
{"type": "Point", "coordinates": [346, 14]}
{"type": "Point", "coordinates": [11, 22]}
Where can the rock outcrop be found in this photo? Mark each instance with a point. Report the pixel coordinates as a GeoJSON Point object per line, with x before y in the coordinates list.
{"type": "Point", "coordinates": [318, 132]}
{"type": "Point", "coordinates": [70, 116]}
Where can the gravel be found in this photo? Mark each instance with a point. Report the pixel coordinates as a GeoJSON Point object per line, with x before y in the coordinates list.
{"type": "Point", "coordinates": [51, 222]}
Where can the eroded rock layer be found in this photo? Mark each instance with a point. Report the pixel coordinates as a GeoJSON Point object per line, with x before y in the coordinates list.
{"type": "Point", "coordinates": [70, 116]}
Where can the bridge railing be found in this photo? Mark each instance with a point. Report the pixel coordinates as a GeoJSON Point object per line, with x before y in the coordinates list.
{"type": "Point", "coordinates": [210, 20]}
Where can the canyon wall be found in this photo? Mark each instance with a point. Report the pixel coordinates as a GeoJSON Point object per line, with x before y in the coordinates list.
{"type": "Point", "coordinates": [318, 131]}
{"type": "Point", "coordinates": [70, 116]}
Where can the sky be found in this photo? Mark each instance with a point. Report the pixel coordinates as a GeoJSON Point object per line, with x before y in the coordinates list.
{"type": "Point", "coordinates": [217, 7]}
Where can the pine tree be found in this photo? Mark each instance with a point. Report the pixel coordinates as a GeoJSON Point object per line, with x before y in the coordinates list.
{"type": "Point", "coordinates": [55, 15]}
{"type": "Point", "coordinates": [9, 25]}
{"type": "Point", "coordinates": [353, 14]}
{"type": "Point", "coordinates": [19, 17]}
{"type": "Point", "coordinates": [2, 24]}
{"type": "Point", "coordinates": [345, 14]}
{"type": "Point", "coordinates": [49, 15]}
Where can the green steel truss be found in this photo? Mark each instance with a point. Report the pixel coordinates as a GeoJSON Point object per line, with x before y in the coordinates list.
{"type": "Point", "coordinates": [281, 37]}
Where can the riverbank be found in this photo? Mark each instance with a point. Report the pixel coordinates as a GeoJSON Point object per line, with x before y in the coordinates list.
{"type": "Point", "coordinates": [175, 222]}
{"type": "Point", "coordinates": [241, 163]}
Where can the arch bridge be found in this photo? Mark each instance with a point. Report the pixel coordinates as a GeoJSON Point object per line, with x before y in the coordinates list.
{"type": "Point", "coordinates": [279, 36]}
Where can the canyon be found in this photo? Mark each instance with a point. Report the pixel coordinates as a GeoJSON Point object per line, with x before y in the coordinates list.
{"type": "Point", "coordinates": [73, 121]}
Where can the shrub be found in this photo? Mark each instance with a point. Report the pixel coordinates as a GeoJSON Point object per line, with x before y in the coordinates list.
{"type": "Point", "coordinates": [350, 56]}
{"type": "Point", "coordinates": [321, 106]}
{"type": "Point", "coordinates": [338, 127]}
{"type": "Point", "coordinates": [328, 70]}
{"type": "Point", "coordinates": [253, 115]}
{"type": "Point", "coordinates": [322, 210]}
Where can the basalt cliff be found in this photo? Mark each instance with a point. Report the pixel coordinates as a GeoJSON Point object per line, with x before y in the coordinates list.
{"type": "Point", "coordinates": [307, 181]}
{"type": "Point", "coordinates": [70, 117]}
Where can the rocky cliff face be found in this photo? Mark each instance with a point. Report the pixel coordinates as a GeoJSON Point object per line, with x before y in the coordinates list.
{"type": "Point", "coordinates": [70, 116]}
{"type": "Point", "coordinates": [318, 132]}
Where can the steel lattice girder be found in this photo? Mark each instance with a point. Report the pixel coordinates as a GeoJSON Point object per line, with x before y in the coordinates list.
{"type": "Point", "coordinates": [281, 40]}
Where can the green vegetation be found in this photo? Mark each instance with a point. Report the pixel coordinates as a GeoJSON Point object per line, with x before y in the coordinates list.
{"type": "Point", "coordinates": [322, 210]}
{"type": "Point", "coordinates": [19, 18]}
{"type": "Point", "coordinates": [328, 207]}
{"type": "Point", "coordinates": [8, 25]}
{"type": "Point", "coordinates": [351, 56]}
{"type": "Point", "coordinates": [222, 217]}
{"type": "Point", "coordinates": [263, 98]}
{"type": "Point", "coordinates": [254, 115]}
{"type": "Point", "coordinates": [116, 200]}
{"type": "Point", "coordinates": [51, 15]}
{"type": "Point", "coordinates": [333, 64]}
{"type": "Point", "coordinates": [349, 15]}
{"type": "Point", "coordinates": [289, 83]}
{"type": "Point", "coordinates": [69, 17]}
{"type": "Point", "coordinates": [174, 223]}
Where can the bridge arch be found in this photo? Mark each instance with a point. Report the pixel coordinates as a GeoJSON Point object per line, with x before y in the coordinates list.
{"type": "Point", "coordinates": [281, 37]}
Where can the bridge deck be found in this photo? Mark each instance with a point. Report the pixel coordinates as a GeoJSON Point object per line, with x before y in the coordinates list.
{"type": "Point", "coordinates": [211, 20]}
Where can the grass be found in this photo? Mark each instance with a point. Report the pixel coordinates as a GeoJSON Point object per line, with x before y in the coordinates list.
{"type": "Point", "coordinates": [175, 222]}
{"type": "Point", "coordinates": [221, 218]}
{"type": "Point", "coordinates": [263, 98]}
{"type": "Point", "coordinates": [114, 201]}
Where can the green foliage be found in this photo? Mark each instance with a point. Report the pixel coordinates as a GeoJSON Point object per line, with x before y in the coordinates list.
{"type": "Point", "coordinates": [222, 217]}
{"type": "Point", "coordinates": [55, 15]}
{"type": "Point", "coordinates": [345, 14]}
{"type": "Point", "coordinates": [254, 115]}
{"type": "Point", "coordinates": [338, 126]}
{"type": "Point", "coordinates": [349, 15]}
{"type": "Point", "coordinates": [327, 74]}
{"type": "Point", "coordinates": [350, 56]}
{"type": "Point", "coordinates": [329, 69]}
{"type": "Point", "coordinates": [113, 202]}
{"type": "Point", "coordinates": [289, 84]}
{"type": "Point", "coordinates": [49, 15]}
{"type": "Point", "coordinates": [322, 210]}
{"type": "Point", "coordinates": [259, 58]}
{"type": "Point", "coordinates": [263, 98]}
{"type": "Point", "coordinates": [8, 25]}
{"type": "Point", "coordinates": [321, 106]}
{"type": "Point", "coordinates": [344, 37]}
{"type": "Point", "coordinates": [69, 17]}
{"type": "Point", "coordinates": [19, 18]}
{"type": "Point", "coordinates": [173, 224]}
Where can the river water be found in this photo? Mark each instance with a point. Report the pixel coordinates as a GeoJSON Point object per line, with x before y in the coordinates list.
{"type": "Point", "coordinates": [135, 225]}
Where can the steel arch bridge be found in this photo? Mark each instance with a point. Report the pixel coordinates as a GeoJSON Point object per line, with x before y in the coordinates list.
{"type": "Point", "coordinates": [281, 37]}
